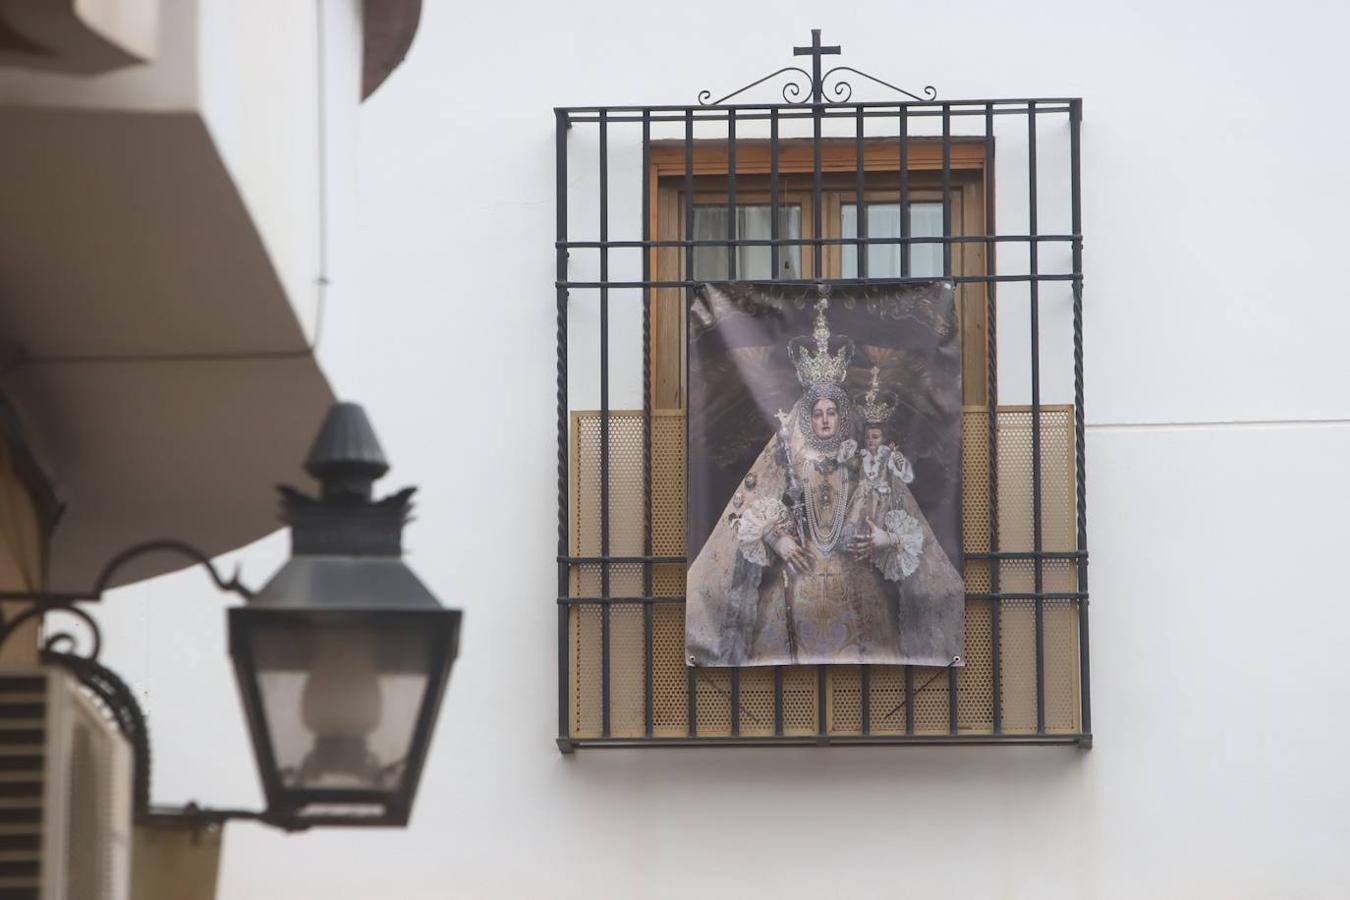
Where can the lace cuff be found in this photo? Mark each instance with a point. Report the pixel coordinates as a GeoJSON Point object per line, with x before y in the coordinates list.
{"type": "Point", "coordinates": [757, 526]}
{"type": "Point", "coordinates": [900, 558]}
{"type": "Point", "coordinates": [900, 467]}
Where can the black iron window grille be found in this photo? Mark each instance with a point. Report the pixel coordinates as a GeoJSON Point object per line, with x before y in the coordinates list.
{"type": "Point", "coordinates": [654, 200]}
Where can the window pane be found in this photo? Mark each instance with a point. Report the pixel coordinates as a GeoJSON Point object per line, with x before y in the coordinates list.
{"type": "Point", "coordinates": [925, 220]}
{"type": "Point", "coordinates": [883, 221]}
{"type": "Point", "coordinates": [752, 223]}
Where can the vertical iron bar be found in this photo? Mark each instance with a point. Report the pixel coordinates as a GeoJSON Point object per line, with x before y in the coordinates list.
{"type": "Point", "coordinates": [817, 258]}
{"type": "Point", "coordinates": [1079, 426]}
{"type": "Point", "coordinates": [648, 687]}
{"type": "Point", "coordinates": [909, 699]}
{"type": "Point", "coordinates": [1037, 564]}
{"type": "Point", "coordinates": [904, 192]}
{"type": "Point", "coordinates": [817, 214]}
{"type": "Point", "coordinates": [953, 683]}
{"type": "Point", "coordinates": [692, 699]}
{"type": "Point", "coordinates": [778, 700]}
{"type": "Point", "coordinates": [947, 196]}
{"type": "Point", "coordinates": [733, 248]}
{"type": "Point", "coordinates": [861, 253]}
{"type": "Point", "coordinates": [820, 698]}
{"type": "Point", "coordinates": [560, 203]}
{"type": "Point", "coordinates": [991, 391]}
{"type": "Point", "coordinates": [648, 706]}
{"type": "Point", "coordinates": [861, 247]}
{"type": "Point", "coordinates": [865, 688]}
{"type": "Point", "coordinates": [691, 673]}
{"type": "Point", "coordinates": [774, 231]}
{"type": "Point", "coordinates": [735, 702]}
{"type": "Point", "coordinates": [604, 423]}
{"type": "Point", "coordinates": [953, 673]}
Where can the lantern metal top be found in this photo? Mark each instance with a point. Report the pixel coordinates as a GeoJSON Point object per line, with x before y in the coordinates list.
{"type": "Point", "coordinates": [321, 583]}
{"type": "Point", "coordinates": [346, 546]}
{"type": "Point", "coordinates": [345, 520]}
{"type": "Point", "coordinates": [346, 457]}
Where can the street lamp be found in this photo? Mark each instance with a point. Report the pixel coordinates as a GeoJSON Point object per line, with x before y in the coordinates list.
{"type": "Point", "coordinates": [341, 659]}
{"type": "Point", "coordinates": [343, 656]}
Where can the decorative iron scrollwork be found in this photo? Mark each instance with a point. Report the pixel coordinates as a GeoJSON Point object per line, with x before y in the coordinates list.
{"type": "Point", "coordinates": [119, 702]}
{"type": "Point", "coordinates": [792, 89]}
{"type": "Point", "coordinates": [841, 91]}
{"type": "Point", "coordinates": [63, 648]}
{"type": "Point", "coordinates": [805, 88]}
{"type": "Point", "coordinates": [42, 603]}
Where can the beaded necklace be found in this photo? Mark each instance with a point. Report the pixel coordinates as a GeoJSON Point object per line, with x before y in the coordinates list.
{"type": "Point", "coordinates": [825, 542]}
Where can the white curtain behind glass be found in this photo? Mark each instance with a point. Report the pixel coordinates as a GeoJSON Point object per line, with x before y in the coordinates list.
{"type": "Point", "coordinates": [883, 221]}
{"type": "Point", "coordinates": [752, 223]}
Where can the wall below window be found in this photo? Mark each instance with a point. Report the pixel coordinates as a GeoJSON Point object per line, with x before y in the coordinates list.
{"type": "Point", "coordinates": [1218, 429]}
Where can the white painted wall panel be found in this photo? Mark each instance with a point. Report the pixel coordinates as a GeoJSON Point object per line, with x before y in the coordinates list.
{"type": "Point", "coordinates": [1216, 771]}
{"type": "Point", "coordinates": [280, 86]}
{"type": "Point", "coordinates": [1217, 682]}
{"type": "Point", "coordinates": [167, 83]}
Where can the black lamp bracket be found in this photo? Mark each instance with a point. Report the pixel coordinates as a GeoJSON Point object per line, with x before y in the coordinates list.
{"type": "Point", "coordinates": [118, 700]}
{"type": "Point", "coordinates": [43, 602]}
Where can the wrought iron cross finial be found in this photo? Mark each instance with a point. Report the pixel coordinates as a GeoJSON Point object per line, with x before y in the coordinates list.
{"type": "Point", "coordinates": [796, 92]}
{"type": "Point", "coordinates": [816, 52]}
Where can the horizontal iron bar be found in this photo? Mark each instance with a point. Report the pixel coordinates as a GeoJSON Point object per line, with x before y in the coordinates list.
{"type": "Point", "coordinates": [583, 560]}
{"type": "Point", "coordinates": [621, 601]}
{"type": "Point", "coordinates": [1027, 595]}
{"type": "Point", "coordinates": [974, 554]}
{"type": "Point", "coordinates": [891, 107]}
{"type": "Point", "coordinates": [712, 115]}
{"type": "Point", "coordinates": [970, 595]}
{"type": "Point", "coordinates": [873, 282]}
{"type": "Point", "coordinates": [1026, 554]}
{"type": "Point", "coordinates": [1080, 740]}
{"type": "Point", "coordinates": [829, 242]}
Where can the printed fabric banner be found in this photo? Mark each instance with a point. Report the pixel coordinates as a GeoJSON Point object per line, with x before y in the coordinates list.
{"type": "Point", "coordinates": [824, 513]}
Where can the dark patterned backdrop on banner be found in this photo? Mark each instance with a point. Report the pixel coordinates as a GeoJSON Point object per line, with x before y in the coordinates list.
{"type": "Point", "coordinates": [824, 514]}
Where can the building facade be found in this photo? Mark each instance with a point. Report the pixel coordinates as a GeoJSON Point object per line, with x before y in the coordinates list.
{"type": "Point", "coordinates": [1214, 421]}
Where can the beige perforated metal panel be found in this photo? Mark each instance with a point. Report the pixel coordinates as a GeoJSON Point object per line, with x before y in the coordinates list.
{"type": "Point", "coordinates": [843, 695]}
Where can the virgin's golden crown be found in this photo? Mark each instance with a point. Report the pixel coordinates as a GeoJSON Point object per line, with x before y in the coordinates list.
{"type": "Point", "coordinates": [875, 406]}
{"type": "Point", "coordinates": [820, 366]}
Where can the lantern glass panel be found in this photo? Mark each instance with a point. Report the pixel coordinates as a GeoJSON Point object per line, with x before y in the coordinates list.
{"type": "Point", "coordinates": [341, 701]}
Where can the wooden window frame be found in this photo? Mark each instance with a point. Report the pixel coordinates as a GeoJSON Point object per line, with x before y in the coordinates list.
{"type": "Point", "coordinates": [881, 165]}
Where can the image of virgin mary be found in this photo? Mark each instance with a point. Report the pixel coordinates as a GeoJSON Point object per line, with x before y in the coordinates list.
{"type": "Point", "coordinates": [823, 555]}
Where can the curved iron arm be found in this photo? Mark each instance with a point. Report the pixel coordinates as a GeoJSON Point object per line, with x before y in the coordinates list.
{"type": "Point", "coordinates": [44, 602]}
{"type": "Point", "coordinates": [169, 545]}
{"type": "Point", "coordinates": [791, 90]}
{"type": "Point", "coordinates": [108, 687]}
{"type": "Point", "coordinates": [112, 692]}
{"type": "Point", "coordinates": [842, 91]}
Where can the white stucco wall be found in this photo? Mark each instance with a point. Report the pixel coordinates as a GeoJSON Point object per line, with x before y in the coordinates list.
{"type": "Point", "coordinates": [1214, 190]}
{"type": "Point", "coordinates": [167, 82]}
{"type": "Point", "coordinates": [280, 84]}
{"type": "Point", "coordinates": [254, 72]}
